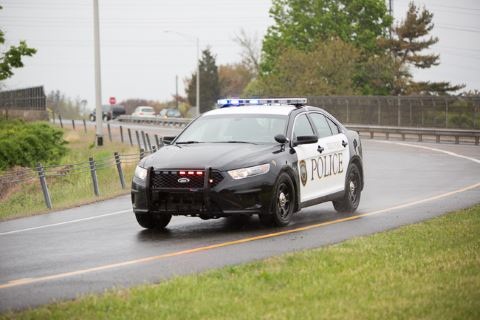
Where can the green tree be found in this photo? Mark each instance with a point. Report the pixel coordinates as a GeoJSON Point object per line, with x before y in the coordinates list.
{"type": "Point", "coordinates": [12, 58]}
{"type": "Point", "coordinates": [233, 79]}
{"type": "Point", "coordinates": [410, 39]}
{"type": "Point", "coordinates": [332, 67]}
{"type": "Point", "coordinates": [301, 23]}
{"type": "Point", "coordinates": [209, 83]}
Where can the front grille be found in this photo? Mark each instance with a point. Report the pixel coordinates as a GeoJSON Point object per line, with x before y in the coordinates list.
{"type": "Point", "coordinates": [174, 180]}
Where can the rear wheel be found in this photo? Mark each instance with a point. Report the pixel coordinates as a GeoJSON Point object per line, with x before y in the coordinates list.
{"type": "Point", "coordinates": [353, 189]}
{"type": "Point", "coordinates": [149, 221]}
{"type": "Point", "coordinates": [283, 203]}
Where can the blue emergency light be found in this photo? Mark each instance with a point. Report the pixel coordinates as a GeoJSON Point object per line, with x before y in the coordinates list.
{"type": "Point", "coordinates": [224, 103]}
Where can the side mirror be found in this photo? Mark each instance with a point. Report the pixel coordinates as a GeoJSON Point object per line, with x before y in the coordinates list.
{"type": "Point", "coordinates": [280, 138]}
{"type": "Point", "coordinates": [168, 140]}
{"type": "Point", "coordinates": [305, 140]}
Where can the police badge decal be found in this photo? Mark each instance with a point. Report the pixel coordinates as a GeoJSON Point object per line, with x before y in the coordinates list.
{"type": "Point", "coordinates": [303, 172]}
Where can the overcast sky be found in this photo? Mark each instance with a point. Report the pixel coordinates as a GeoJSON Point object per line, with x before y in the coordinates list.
{"type": "Point", "coordinates": [140, 59]}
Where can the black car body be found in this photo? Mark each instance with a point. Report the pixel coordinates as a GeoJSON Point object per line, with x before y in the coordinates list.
{"type": "Point", "coordinates": [109, 112]}
{"type": "Point", "coordinates": [243, 160]}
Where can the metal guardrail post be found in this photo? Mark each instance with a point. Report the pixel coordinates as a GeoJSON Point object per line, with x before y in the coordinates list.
{"type": "Point", "coordinates": [121, 134]}
{"type": "Point", "coordinates": [93, 172]}
{"type": "Point", "coordinates": [142, 153]}
{"type": "Point", "coordinates": [118, 162]}
{"type": "Point", "coordinates": [157, 141]}
{"type": "Point", "coordinates": [144, 141]}
{"type": "Point", "coordinates": [84, 126]}
{"type": "Point", "coordinates": [149, 145]}
{"type": "Point", "coordinates": [73, 125]}
{"type": "Point", "coordinates": [109, 132]}
{"type": "Point", "coordinates": [60, 119]}
{"type": "Point", "coordinates": [138, 139]}
{"type": "Point", "coordinates": [43, 183]}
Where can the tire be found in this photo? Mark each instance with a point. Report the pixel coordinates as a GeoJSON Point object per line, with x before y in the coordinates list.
{"type": "Point", "coordinates": [149, 221]}
{"type": "Point", "coordinates": [92, 118]}
{"type": "Point", "coordinates": [283, 203]}
{"type": "Point", "coordinates": [105, 118]}
{"type": "Point", "coordinates": [351, 199]}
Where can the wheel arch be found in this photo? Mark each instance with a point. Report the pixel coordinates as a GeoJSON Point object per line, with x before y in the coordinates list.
{"type": "Point", "coordinates": [358, 162]}
{"type": "Point", "coordinates": [289, 170]}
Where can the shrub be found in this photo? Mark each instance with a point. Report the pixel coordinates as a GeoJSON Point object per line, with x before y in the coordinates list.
{"type": "Point", "coordinates": [25, 144]}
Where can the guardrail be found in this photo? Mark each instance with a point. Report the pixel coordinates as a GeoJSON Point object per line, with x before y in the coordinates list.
{"type": "Point", "coordinates": [166, 122]}
{"type": "Point", "coordinates": [402, 132]}
{"type": "Point", "coordinates": [470, 135]}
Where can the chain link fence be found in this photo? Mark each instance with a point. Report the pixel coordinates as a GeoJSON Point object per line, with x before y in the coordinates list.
{"type": "Point", "coordinates": [411, 111]}
{"type": "Point", "coordinates": [28, 104]}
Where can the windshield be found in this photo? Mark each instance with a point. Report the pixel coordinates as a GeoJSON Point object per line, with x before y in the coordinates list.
{"type": "Point", "coordinates": [234, 128]}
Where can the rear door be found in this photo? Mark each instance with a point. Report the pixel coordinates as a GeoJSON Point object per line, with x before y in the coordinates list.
{"type": "Point", "coordinates": [330, 166]}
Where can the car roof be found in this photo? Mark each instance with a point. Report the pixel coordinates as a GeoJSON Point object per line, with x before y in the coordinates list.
{"type": "Point", "coordinates": [271, 109]}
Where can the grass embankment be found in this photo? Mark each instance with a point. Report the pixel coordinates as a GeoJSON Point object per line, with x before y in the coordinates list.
{"type": "Point", "coordinates": [429, 270]}
{"type": "Point", "coordinates": [75, 188]}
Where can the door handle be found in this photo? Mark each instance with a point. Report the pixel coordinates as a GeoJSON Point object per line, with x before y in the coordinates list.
{"type": "Point", "coordinates": [344, 144]}
{"type": "Point", "coordinates": [320, 149]}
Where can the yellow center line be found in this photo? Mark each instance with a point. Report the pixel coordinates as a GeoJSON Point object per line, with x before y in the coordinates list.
{"type": "Point", "coordinates": [20, 282]}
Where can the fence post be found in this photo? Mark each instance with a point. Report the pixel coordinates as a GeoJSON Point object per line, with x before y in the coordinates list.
{"type": "Point", "coordinates": [138, 139]}
{"type": "Point", "coordinates": [73, 125]}
{"type": "Point", "coordinates": [84, 126]}
{"type": "Point", "coordinates": [148, 142]}
{"type": "Point", "coordinates": [144, 141]}
{"type": "Point", "coordinates": [379, 112]}
{"type": "Point", "coordinates": [399, 115]}
{"type": "Point", "coordinates": [446, 112]}
{"type": "Point", "coordinates": [109, 132]}
{"type": "Point", "coordinates": [157, 141]}
{"type": "Point", "coordinates": [60, 119]}
{"type": "Point", "coordinates": [121, 134]}
{"type": "Point", "coordinates": [93, 172]}
{"type": "Point", "coordinates": [43, 183]}
{"type": "Point", "coordinates": [130, 136]}
{"type": "Point", "coordinates": [142, 153]}
{"type": "Point", "coordinates": [348, 111]}
{"type": "Point", "coordinates": [118, 162]}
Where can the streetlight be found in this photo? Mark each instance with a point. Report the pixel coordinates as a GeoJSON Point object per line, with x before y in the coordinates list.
{"type": "Point", "coordinates": [198, 66]}
{"type": "Point", "coordinates": [98, 78]}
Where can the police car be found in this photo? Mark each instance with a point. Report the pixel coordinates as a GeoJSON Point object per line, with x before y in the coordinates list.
{"type": "Point", "coordinates": [265, 157]}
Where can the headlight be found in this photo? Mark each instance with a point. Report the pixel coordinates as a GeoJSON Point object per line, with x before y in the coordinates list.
{"type": "Point", "coordinates": [249, 172]}
{"type": "Point", "coordinates": [140, 173]}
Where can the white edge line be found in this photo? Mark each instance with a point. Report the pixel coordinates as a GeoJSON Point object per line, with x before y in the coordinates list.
{"type": "Point", "coordinates": [453, 154]}
{"type": "Point", "coordinates": [65, 222]}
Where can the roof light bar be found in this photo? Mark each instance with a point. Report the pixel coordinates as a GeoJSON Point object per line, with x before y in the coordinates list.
{"type": "Point", "coordinates": [223, 103]}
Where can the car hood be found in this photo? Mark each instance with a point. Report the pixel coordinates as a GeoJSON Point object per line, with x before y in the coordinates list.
{"type": "Point", "coordinates": [219, 156]}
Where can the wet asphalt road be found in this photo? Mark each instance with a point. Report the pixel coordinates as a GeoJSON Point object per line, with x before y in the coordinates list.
{"type": "Point", "coordinates": [100, 246]}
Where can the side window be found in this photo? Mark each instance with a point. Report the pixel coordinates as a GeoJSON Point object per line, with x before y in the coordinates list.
{"type": "Point", "coordinates": [321, 124]}
{"type": "Point", "coordinates": [302, 127]}
{"type": "Point", "coordinates": [333, 126]}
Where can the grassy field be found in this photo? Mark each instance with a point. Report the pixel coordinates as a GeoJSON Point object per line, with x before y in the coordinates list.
{"type": "Point", "coordinates": [429, 270]}
{"type": "Point", "coordinates": [76, 187]}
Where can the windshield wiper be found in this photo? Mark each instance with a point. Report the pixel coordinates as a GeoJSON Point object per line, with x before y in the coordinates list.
{"type": "Point", "coordinates": [187, 142]}
{"type": "Point", "coordinates": [235, 141]}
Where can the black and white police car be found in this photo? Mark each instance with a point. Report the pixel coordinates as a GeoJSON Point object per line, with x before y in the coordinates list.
{"type": "Point", "coordinates": [270, 157]}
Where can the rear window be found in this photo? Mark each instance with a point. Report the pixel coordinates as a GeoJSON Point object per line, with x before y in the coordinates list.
{"type": "Point", "coordinates": [147, 110]}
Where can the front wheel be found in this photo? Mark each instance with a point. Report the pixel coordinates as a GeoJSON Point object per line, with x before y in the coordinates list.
{"type": "Point", "coordinates": [149, 221]}
{"type": "Point", "coordinates": [283, 203]}
{"type": "Point", "coordinates": [353, 189]}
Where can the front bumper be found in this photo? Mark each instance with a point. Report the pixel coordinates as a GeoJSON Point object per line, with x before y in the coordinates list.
{"type": "Point", "coordinates": [228, 197]}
